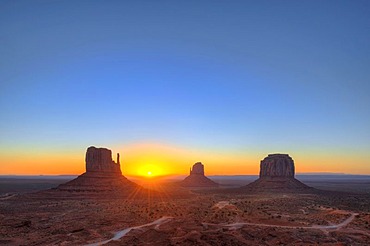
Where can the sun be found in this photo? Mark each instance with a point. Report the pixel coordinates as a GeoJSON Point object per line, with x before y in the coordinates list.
{"type": "Point", "coordinates": [149, 170]}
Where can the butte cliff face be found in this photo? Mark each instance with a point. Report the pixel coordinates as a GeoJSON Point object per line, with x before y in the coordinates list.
{"type": "Point", "coordinates": [277, 165]}
{"type": "Point", "coordinates": [198, 169]}
{"type": "Point", "coordinates": [102, 174]}
{"type": "Point", "coordinates": [276, 173]}
{"type": "Point", "coordinates": [197, 178]}
{"type": "Point", "coordinates": [100, 160]}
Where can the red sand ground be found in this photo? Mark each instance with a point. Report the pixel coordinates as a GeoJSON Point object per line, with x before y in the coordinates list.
{"type": "Point", "coordinates": [77, 218]}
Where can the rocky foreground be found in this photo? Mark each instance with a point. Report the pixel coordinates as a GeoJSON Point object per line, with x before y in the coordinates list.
{"type": "Point", "coordinates": [193, 219]}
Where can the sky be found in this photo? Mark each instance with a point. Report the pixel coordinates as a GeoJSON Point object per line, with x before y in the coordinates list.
{"type": "Point", "coordinates": [170, 83]}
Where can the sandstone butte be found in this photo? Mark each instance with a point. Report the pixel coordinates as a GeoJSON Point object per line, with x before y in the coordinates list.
{"type": "Point", "coordinates": [197, 178]}
{"type": "Point", "coordinates": [102, 174]}
{"type": "Point", "coordinates": [277, 173]}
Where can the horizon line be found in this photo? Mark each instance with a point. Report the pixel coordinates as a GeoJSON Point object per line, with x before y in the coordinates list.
{"type": "Point", "coordinates": [174, 175]}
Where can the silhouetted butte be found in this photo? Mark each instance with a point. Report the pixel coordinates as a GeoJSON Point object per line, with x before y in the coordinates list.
{"type": "Point", "coordinates": [102, 174]}
{"type": "Point", "coordinates": [197, 178]}
{"type": "Point", "coordinates": [276, 173]}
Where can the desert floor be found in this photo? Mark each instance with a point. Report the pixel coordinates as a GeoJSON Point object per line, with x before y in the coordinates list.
{"type": "Point", "coordinates": [174, 216]}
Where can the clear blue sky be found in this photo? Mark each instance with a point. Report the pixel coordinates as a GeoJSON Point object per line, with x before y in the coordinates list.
{"type": "Point", "coordinates": [220, 75]}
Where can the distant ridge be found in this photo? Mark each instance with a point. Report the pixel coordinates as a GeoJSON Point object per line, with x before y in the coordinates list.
{"type": "Point", "coordinates": [39, 176]}
{"type": "Point", "coordinates": [324, 173]}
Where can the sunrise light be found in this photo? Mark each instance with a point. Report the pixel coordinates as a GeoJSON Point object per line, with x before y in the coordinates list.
{"type": "Point", "coordinates": [149, 170]}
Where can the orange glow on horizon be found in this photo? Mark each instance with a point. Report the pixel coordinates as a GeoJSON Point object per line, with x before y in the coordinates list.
{"type": "Point", "coordinates": [158, 160]}
{"type": "Point", "coordinates": [149, 170]}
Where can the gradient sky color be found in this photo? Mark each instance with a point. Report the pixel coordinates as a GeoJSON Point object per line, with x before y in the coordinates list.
{"type": "Point", "coordinates": [169, 83]}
